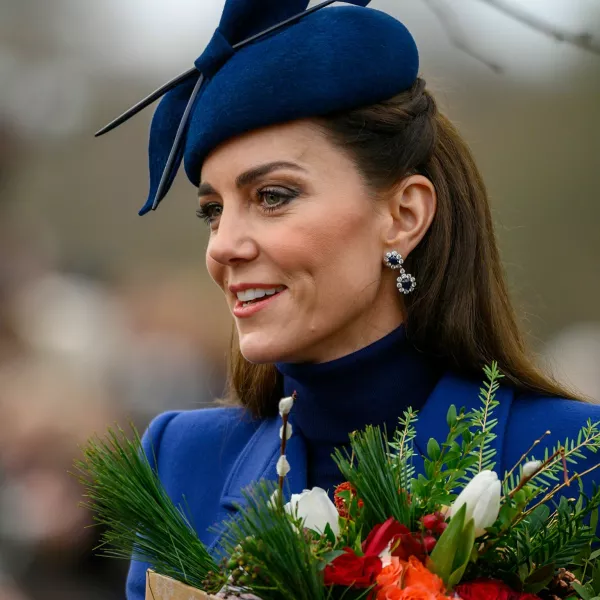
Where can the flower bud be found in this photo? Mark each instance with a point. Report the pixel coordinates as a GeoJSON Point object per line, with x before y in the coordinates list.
{"type": "Point", "coordinates": [288, 431]}
{"type": "Point", "coordinates": [531, 467]}
{"type": "Point", "coordinates": [316, 510]}
{"type": "Point", "coordinates": [482, 497]}
{"type": "Point", "coordinates": [283, 466]}
{"type": "Point", "coordinates": [429, 521]}
{"type": "Point", "coordinates": [285, 405]}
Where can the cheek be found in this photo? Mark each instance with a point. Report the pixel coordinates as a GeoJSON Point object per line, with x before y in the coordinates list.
{"type": "Point", "coordinates": [339, 256]}
{"type": "Point", "coordinates": [216, 271]}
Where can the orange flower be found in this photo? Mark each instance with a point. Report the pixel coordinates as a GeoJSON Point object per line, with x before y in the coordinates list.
{"type": "Point", "coordinates": [417, 575]}
{"type": "Point", "coordinates": [392, 574]}
{"type": "Point", "coordinates": [418, 592]}
{"type": "Point", "coordinates": [390, 592]}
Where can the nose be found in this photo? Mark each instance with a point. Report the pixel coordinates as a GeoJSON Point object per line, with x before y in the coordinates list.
{"type": "Point", "coordinates": [232, 242]}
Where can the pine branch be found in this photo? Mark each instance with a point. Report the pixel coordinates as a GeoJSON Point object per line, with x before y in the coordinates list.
{"type": "Point", "coordinates": [267, 552]}
{"type": "Point", "coordinates": [376, 484]}
{"type": "Point", "coordinates": [141, 520]}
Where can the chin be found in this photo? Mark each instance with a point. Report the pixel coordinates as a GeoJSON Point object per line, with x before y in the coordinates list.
{"type": "Point", "coordinates": [261, 348]}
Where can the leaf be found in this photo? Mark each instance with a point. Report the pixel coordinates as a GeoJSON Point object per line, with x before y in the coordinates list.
{"type": "Point", "coordinates": [583, 590]}
{"type": "Point", "coordinates": [329, 533]}
{"type": "Point", "coordinates": [539, 579]}
{"type": "Point", "coordinates": [442, 557]}
{"type": "Point", "coordinates": [451, 416]}
{"type": "Point", "coordinates": [433, 449]}
{"type": "Point", "coordinates": [329, 557]}
{"type": "Point", "coordinates": [463, 554]}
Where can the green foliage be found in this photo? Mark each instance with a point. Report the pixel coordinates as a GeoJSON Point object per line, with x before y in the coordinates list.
{"type": "Point", "coordinates": [465, 452]}
{"type": "Point", "coordinates": [377, 476]}
{"type": "Point", "coordinates": [452, 553]}
{"type": "Point", "coordinates": [481, 419]}
{"type": "Point", "coordinates": [543, 542]}
{"type": "Point", "coordinates": [552, 473]}
{"type": "Point", "coordinates": [140, 519]}
{"type": "Point", "coordinates": [270, 555]}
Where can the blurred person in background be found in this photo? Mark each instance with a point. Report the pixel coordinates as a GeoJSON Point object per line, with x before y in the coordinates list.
{"type": "Point", "coordinates": [47, 410]}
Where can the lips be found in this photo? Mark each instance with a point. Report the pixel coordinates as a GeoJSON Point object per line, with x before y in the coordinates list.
{"type": "Point", "coordinates": [246, 308]}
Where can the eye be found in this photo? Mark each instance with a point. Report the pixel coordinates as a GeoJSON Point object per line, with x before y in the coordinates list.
{"type": "Point", "coordinates": [276, 197]}
{"type": "Point", "coordinates": [210, 212]}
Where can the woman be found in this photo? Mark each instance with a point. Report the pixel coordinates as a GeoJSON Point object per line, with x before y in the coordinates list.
{"type": "Point", "coordinates": [351, 235]}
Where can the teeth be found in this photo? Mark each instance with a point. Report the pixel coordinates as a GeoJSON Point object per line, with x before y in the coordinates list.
{"type": "Point", "coordinates": [254, 294]}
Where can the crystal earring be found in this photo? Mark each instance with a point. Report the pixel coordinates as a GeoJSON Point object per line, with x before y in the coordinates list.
{"type": "Point", "coordinates": [405, 283]}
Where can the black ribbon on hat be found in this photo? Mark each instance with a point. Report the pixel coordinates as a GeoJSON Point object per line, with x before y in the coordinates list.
{"type": "Point", "coordinates": [242, 22]}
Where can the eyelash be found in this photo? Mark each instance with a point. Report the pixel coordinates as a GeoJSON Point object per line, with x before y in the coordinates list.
{"type": "Point", "coordinates": [286, 195]}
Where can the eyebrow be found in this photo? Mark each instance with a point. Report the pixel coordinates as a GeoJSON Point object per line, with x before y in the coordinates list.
{"type": "Point", "coordinates": [248, 177]}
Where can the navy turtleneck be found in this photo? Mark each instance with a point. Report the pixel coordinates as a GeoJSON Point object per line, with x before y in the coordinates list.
{"type": "Point", "coordinates": [369, 387]}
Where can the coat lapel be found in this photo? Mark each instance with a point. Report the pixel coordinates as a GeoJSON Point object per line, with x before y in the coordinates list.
{"type": "Point", "coordinates": [452, 389]}
{"type": "Point", "coordinates": [258, 461]}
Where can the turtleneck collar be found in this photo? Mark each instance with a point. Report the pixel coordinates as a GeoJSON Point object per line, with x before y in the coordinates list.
{"type": "Point", "coordinates": [371, 386]}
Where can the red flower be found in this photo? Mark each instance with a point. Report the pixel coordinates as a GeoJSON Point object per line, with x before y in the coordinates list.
{"type": "Point", "coordinates": [489, 589]}
{"type": "Point", "coordinates": [341, 503]}
{"type": "Point", "coordinates": [403, 543]}
{"type": "Point", "coordinates": [350, 569]}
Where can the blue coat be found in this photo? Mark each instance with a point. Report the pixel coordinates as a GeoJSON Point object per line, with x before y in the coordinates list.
{"type": "Point", "coordinates": [210, 455]}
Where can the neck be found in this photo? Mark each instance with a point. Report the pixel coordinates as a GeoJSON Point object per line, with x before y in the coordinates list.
{"type": "Point", "coordinates": [371, 386]}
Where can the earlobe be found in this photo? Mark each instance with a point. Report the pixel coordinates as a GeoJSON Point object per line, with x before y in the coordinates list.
{"type": "Point", "coordinates": [410, 211]}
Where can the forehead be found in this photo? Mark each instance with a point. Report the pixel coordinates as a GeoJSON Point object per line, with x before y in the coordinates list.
{"type": "Point", "coordinates": [302, 142]}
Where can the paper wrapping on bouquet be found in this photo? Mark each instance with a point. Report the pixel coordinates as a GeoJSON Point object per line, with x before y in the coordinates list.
{"type": "Point", "coordinates": [159, 587]}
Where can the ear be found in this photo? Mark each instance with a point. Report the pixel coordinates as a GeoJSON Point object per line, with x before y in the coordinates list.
{"type": "Point", "coordinates": [408, 215]}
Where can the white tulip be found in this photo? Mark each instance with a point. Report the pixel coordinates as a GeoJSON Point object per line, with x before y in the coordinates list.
{"type": "Point", "coordinates": [285, 405]}
{"type": "Point", "coordinates": [315, 509]}
{"type": "Point", "coordinates": [482, 498]}
{"type": "Point", "coordinates": [531, 467]}
{"type": "Point", "coordinates": [283, 466]}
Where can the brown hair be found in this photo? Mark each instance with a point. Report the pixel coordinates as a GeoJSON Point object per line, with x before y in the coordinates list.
{"type": "Point", "coordinates": [460, 311]}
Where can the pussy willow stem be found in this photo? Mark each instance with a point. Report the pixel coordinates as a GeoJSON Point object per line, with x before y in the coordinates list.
{"type": "Point", "coordinates": [526, 454]}
{"type": "Point", "coordinates": [555, 490]}
{"type": "Point", "coordinates": [525, 480]}
{"type": "Point", "coordinates": [285, 418]}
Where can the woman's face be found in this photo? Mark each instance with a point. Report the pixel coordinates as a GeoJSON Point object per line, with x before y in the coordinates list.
{"type": "Point", "coordinates": [296, 244]}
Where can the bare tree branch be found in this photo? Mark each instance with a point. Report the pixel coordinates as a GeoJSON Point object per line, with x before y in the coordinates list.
{"type": "Point", "coordinates": [584, 40]}
{"type": "Point", "coordinates": [450, 23]}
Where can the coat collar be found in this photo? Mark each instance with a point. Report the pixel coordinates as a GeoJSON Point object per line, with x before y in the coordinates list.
{"type": "Point", "coordinates": [258, 459]}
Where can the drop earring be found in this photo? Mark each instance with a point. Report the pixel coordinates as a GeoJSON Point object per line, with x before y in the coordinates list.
{"type": "Point", "coordinates": [405, 283]}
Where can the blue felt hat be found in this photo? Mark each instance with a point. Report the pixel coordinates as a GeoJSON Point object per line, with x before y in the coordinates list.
{"type": "Point", "coordinates": [269, 62]}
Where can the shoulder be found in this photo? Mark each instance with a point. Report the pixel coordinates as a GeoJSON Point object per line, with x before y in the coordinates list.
{"type": "Point", "coordinates": [535, 414]}
{"type": "Point", "coordinates": [559, 421]}
{"type": "Point", "coordinates": [175, 435]}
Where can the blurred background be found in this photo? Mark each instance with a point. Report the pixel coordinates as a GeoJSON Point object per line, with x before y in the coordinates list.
{"type": "Point", "coordinates": [105, 316]}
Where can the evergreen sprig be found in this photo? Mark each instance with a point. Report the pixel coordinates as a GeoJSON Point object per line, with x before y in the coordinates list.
{"type": "Point", "coordinates": [377, 476]}
{"type": "Point", "coordinates": [140, 520]}
{"type": "Point", "coordinates": [268, 553]}
{"type": "Point", "coordinates": [482, 419]}
{"type": "Point", "coordinates": [403, 449]}
{"type": "Point", "coordinates": [569, 452]}
{"type": "Point", "coordinates": [466, 451]}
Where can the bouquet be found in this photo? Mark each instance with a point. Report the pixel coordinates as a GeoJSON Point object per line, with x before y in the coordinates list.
{"type": "Point", "coordinates": [454, 531]}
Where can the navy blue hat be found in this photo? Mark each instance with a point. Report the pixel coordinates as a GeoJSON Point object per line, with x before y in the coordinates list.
{"type": "Point", "coordinates": [269, 62]}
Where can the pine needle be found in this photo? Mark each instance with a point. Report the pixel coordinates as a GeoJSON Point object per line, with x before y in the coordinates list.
{"type": "Point", "coordinates": [141, 522]}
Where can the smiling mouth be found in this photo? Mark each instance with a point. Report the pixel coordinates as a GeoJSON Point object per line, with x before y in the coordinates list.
{"type": "Point", "coordinates": [262, 299]}
{"type": "Point", "coordinates": [247, 306]}
{"type": "Point", "coordinates": [256, 295]}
